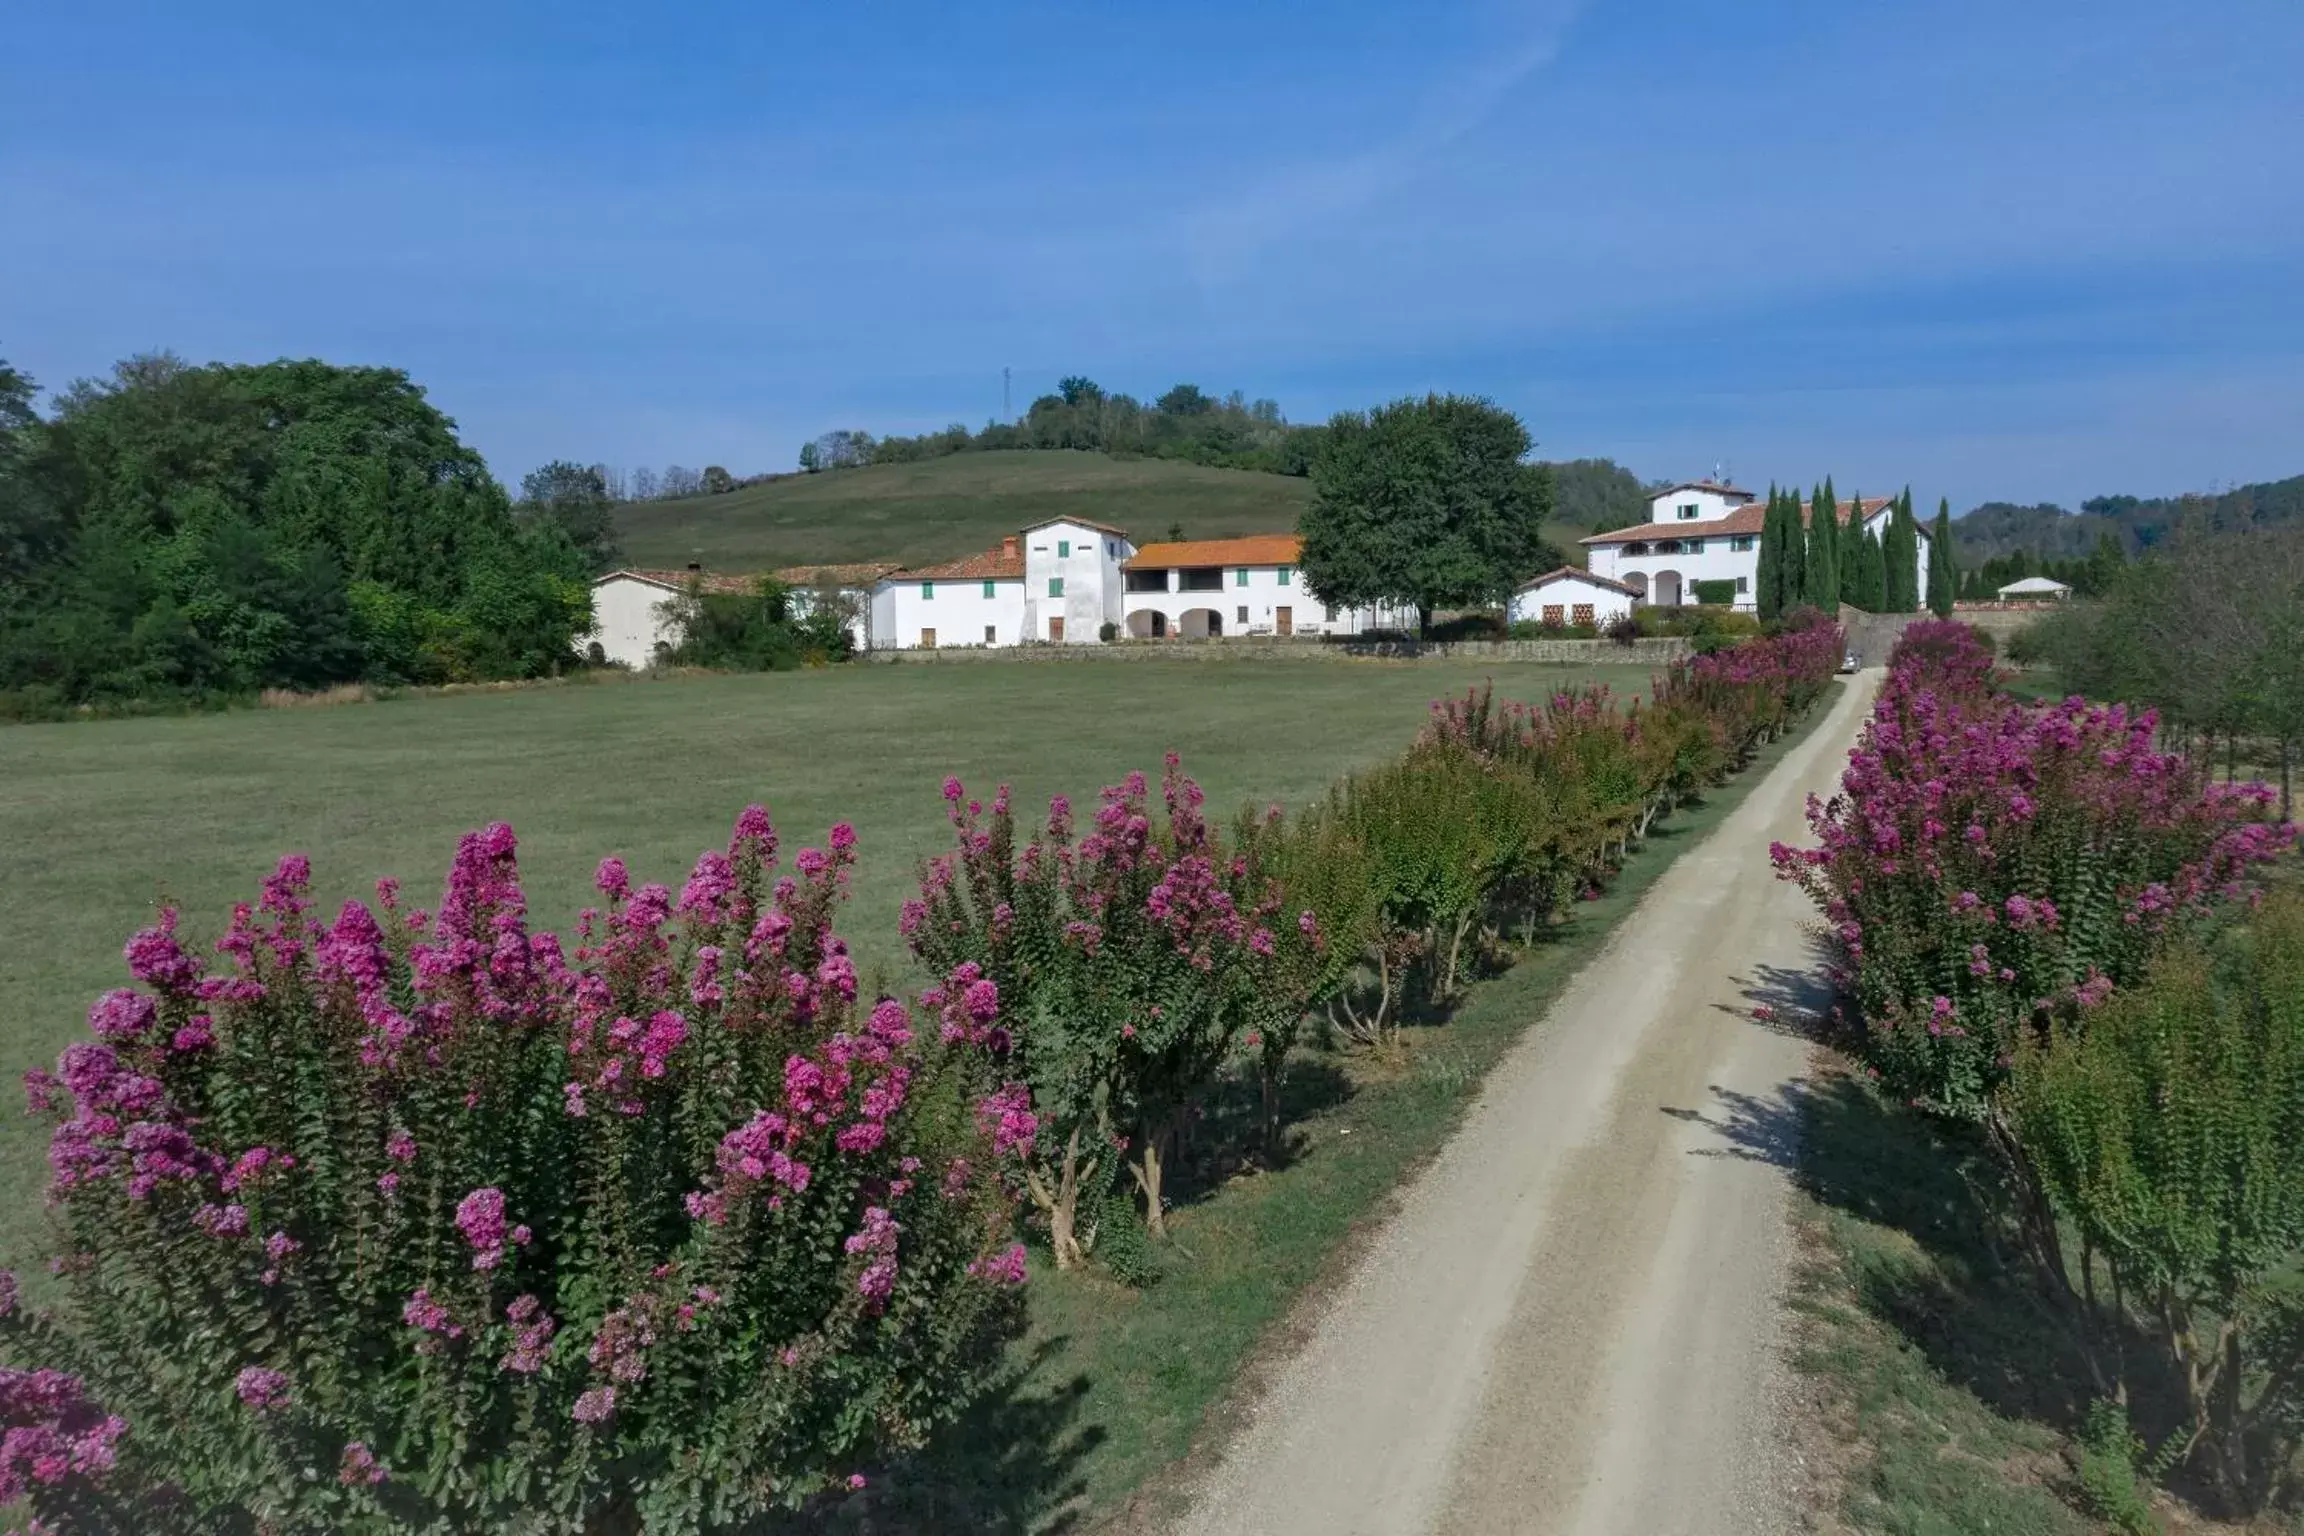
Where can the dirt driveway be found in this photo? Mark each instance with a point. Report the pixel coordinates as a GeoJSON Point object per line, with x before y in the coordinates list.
{"type": "Point", "coordinates": [1570, 1327]}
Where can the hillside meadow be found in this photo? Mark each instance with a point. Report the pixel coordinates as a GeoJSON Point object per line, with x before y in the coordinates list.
{"type": "Point", "coordinates": [100, 821]}
{"type": "Point", "coordinates": [939, 509]}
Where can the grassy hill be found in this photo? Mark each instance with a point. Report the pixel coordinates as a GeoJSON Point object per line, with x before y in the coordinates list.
{"type": "Point", "coordinates": [939, 509]}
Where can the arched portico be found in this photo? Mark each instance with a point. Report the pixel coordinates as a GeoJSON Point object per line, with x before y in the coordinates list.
{"type": "Point", "coordinates": [1147, 624]}
{"type": "Point", "coordinates": [1200, 624]}
{"type": "Point", "coordinates": [1667, 589]}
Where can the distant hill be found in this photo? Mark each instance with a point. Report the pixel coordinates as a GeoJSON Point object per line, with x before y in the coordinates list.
{"type": "Point", "coordinates": [939, 509]}
{"type": "Point", "coordinates": [2000, 528]}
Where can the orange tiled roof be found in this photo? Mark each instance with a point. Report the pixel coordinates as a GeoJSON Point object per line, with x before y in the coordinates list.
{"type": "Point", "coordinates": [1745, 519]}
{"type": "Point", "coordinates": [1580, 574]}
{"type": "Point", "coordinates": [1003, 564]}
{"type": "Point", "coordinates": [711, 581]}
{"type": "Point", "coordinates": [858, 575]}
{"type": "Point", "coordinates": [1255, 549]}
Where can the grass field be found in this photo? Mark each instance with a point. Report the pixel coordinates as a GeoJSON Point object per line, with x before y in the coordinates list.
{"type": "Point", "coordinates": [100, 820]}
{"type": "Point", "coordinates": [943, 508]}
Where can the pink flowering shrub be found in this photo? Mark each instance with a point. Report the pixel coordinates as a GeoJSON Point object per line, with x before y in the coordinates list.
{"type": "Point", "coordinates": [1107, 976]}
{"type": "Point", "coordinates": [428, 1219]}
{"type": "Point", "coordinates": [1987, 863]}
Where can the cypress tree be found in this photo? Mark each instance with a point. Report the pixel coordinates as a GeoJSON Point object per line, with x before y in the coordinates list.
{"type": "Point", "coordinates": [1850, 541]}
{"type": "Point", "coordinates": [1900, 547]}
{"type": "Point", "coordinates": [1875, 566]}
{"type": "Point", "coordinates": [1824, 554]}
{"type": "Point", "coordinates": [1941, 576]}
{"type": "Point", "coordinates": [1768, 580]}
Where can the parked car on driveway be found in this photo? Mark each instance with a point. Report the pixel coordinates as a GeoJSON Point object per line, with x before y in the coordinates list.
{"type": "Point", "coordinates": [1851, 662]}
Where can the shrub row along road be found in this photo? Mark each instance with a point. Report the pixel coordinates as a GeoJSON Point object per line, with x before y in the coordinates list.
{"type": "Point", "coordinates": [1570, 1326]}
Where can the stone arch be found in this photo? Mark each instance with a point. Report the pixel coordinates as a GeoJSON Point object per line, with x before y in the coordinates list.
{"type": "Point", "coordinates": [1200, 624]}
{"type": "Point", "coordinates": [1668, 590]}
{"type": "Point", "coordinates": [1638, 582]}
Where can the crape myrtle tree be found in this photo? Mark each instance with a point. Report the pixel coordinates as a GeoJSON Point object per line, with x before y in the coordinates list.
{"type": "Point", "coordinates": [1426, 504]}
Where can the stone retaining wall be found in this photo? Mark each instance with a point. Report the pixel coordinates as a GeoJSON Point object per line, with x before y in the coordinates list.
{"type": "Point", "coordinates": [1648, 651]}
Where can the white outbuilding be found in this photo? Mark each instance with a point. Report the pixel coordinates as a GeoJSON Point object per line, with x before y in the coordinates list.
{"type": "Point", "coordinates": [1570, 596]}
{"type": "Point", "coordinates": [632, 624]}
{"type": "Point", "coordinates": [2033, 589]}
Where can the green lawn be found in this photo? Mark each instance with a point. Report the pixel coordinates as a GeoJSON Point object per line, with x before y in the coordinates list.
{"type": "Point", "coordinates": [940, 509]}
{"type": "Point", "coordinates": [100, 820]}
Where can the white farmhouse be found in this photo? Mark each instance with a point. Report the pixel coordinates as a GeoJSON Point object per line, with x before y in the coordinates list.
{"type": "Point", "coordinates": [1702, 531]}
{"type": "Point", "coordinates": [632, 623]}
{"type": "Point", "coordinates": [1057, 581]}
{"type": "Point", "coordinates": [1200, 589]}
{"type": "Point", "coordinates": [1570, 596]}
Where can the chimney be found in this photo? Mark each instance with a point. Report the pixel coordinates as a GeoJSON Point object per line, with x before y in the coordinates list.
{"type": "Point", "coordinates": [1008, 547]}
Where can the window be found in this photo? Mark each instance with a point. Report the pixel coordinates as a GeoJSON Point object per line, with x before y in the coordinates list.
{"type": "Point", "coordinates": [1113, 550]}
{"type": "Point", "coordinates": [1741, 543]}
{"type": "Point", "coordinates": [1555, 615]}
{"type": "Point", "coordinates": [1243, 613]}
{"type": "Point", "coordinates": [1636, 547]}
{"type": "Point", "coordinates": [1287, 574]}
{"type": "Point", "coordinates": [1055, 586]}
{"type": "Point", "coordinates": [1688, 510]}
{"type": "Point", "coordinates": [991, 635]}
{"type": "Point", "coordinates": [1692, 546]}
{"type": "Point", "coordinates": [1743, 583]}
{"type": "Point", "coordinates": [1581, 613]}
{"type": "Point", "coordinates": [989, 590]}
{"type": "Point", "coordinates": [1063, 549]}
{"type": "Point", "coordinates": [1240, 577]}
{"type": "Point", "coordinates": [927, 591]}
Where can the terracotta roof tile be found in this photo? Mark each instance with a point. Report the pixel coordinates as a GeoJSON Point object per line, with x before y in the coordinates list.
{"type": "Point", "coordinates": [1005, 563]}
{"type": "Point", "coordinates": [857, 575]}
{"type": "Point", "coordinates": [1580, 574]}
{"type": "Point", "coordinates": [677, 581]}
{"type": "Point", "coordinates": [1254, 549]}
{"type": "Point", "coordinates": [1746, 519]}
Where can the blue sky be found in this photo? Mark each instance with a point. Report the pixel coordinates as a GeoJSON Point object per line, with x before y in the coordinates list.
{"type": "Point", "coordinates": [2015, 249]}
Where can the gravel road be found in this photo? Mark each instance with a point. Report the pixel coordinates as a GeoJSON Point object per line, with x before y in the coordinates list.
{"type": "Point", "coordinates": [1570, 1326]}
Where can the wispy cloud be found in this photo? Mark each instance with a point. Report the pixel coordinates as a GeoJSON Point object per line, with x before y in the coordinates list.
{"type": "Point", "coordinates": [1226, 235]}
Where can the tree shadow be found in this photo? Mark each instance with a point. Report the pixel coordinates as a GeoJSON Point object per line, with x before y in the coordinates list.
{"type": "Point", "coordinates": [1226, 1136]}
{"type": "Point", "coordinates": [1946, 1271]}
{"type": "Point", "coordinates": [1010, 1465]}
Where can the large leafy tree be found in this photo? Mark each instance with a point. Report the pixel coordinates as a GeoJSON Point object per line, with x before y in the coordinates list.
{"type": "Point", "coordinates": [225, 528]}
{"type": "Point", "coordinates": [575, 496]}
{"type": "Point", "coordinates": [1425, 504]}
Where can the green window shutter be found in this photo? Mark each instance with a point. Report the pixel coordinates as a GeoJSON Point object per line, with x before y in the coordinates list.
{"type": "Point", "coordinates": [1286, 573]}
{"type": "Point", "coordinates": [927, 591]}
{"type": "Point", "coordinates": [1063, 549]}
{"type": "Point", "coordinates": [1240, 577]}
{"type": "Point", "coordinates": [988, 592]}
{"type": "Point", "coordinates": [1055, 586]}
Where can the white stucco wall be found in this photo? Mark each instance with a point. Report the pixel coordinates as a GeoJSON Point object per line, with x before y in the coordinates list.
{"type": "Point", "coordinates": [956, 609]}
{"type": "Point", "coordinates": [1264, 594]}
{"type": "Point", "coordinates": [1087, 560]}
{"type": "Point", "coordinates": [626, 621]}
{"type": "Point", "coordinates": [1711, 506]}
{"type": "Point", "coordinates": [1528, 604]}
{"type": "Point", "coordinates": [1718, 560]}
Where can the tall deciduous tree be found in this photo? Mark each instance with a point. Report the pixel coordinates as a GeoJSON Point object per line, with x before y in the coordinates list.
{"type": "Point", "coordinates": [1943, 577]}
{"type": "Point", "coordinates": [575, 496]}
{"type": "Point", "coordinates": [1424, 503]}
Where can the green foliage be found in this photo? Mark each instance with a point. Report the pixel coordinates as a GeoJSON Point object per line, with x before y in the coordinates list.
{"type": "Point", "coordinates": [1719, 593]}
{"type": "Point", "coordinates": [1186, 423]}
{"type": "Point", "coordinates": [1900, 555]}
{"type": "Point", "coordinates": [1823, 568]}
{"type": "Point", "coordinates": [182, 532]}
{"type": "Point", "coordinates": [1944, 565]}
{"type": "Point", "coordinates": [1597, 495]}
{"type": "Point", "coordinates": [575, 497]}
{"type": "Point", "coordinates": [2169, 1130]}
{"type": "Point", "coordinates": [2050, 535]}
{"type": "Point", "coordinates": [1424, 504]}
{"type": "Point", "coordinates": [1871, 590]}
{"type": "Point", "coordinates": [2109, 1454]}
{"type": "Point", "coordinates": [1768, 582]}
{"type": "Point", "coordinates": [768, 629]}
{"type": "Point", "coordinates": [425, 1221]}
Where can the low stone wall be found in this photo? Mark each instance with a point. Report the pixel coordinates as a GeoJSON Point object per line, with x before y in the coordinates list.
{"type": "Point", "coordinates": [1648, 651]}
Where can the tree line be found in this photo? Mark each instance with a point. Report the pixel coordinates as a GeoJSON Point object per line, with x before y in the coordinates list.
{"type": "Point", "coordinates": [1818, 561]}
{"type": "Point", "coordinates": [2136, 523]}
{"type": "Point", "coordinates": [185, 533]}
{"type": "Point", "coordinates": [1185, 423]}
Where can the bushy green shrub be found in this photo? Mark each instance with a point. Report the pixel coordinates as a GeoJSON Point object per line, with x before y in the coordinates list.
{"type": "Point", "coordinates": [421, 1219]}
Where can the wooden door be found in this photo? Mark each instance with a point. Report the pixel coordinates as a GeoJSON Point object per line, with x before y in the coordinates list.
{"type": "Point", "coordinates": [1056, 630]}
{"type": "Point", "coordinates": [927, 639]}
{"type": "Point", "coordinates": [1284, 621]}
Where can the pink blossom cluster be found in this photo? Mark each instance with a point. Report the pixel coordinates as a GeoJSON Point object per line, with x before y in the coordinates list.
{"type": "Point", "coordinates": [876, 1240]}
{"type": "Point", "coordinates": [480, 1217]}
{"type": "Point", "coordinates": [50, 1431]}
{"type": "Point", "coordinates": [1986, 860]}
